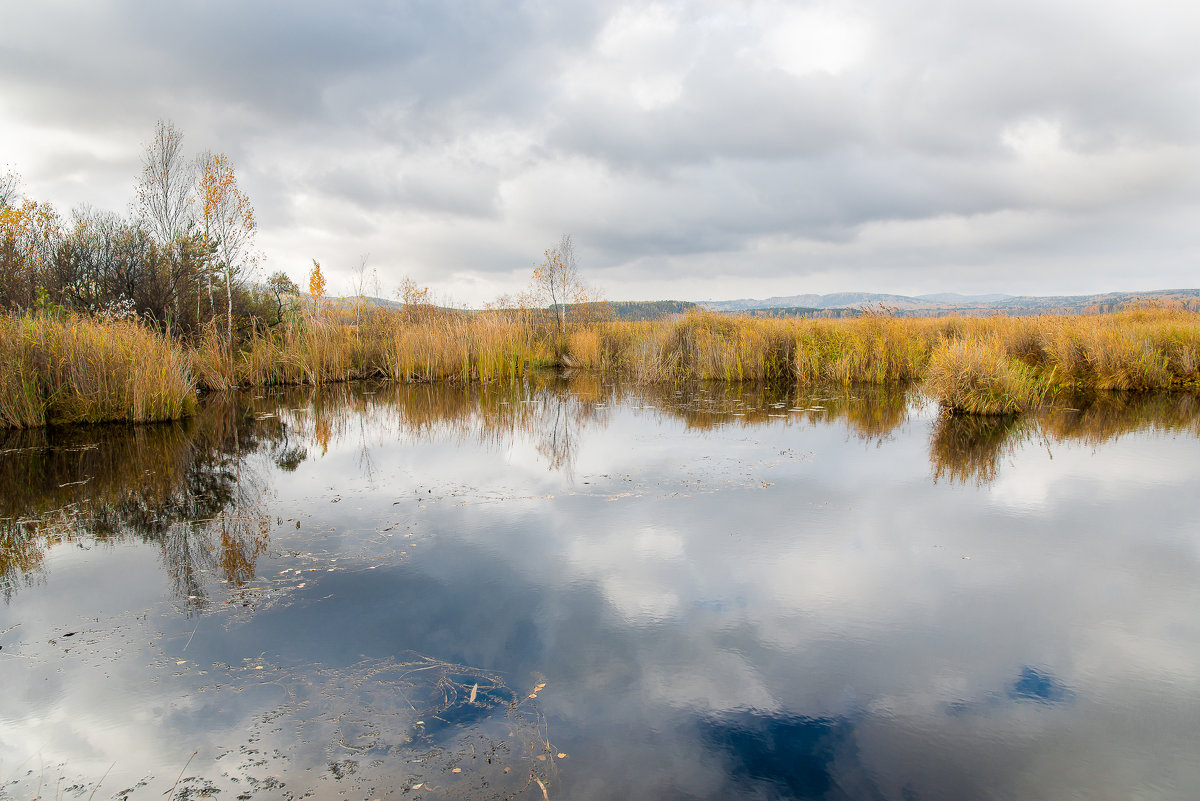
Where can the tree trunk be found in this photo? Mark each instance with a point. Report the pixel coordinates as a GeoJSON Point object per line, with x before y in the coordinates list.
{"type": "Point", "coordinates": [229, 305]}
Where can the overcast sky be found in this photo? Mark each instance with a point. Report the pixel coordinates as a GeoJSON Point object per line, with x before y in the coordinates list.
{"type": "Point", "coordinates": [694, 150]}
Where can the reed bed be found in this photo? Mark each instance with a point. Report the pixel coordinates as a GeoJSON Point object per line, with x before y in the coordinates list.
{"type": "Point", "coordinates": [1009, 364]}
{"type": "Point", "coordinates": [76, 370]}
{"type": "Point", "coordinates": [979, 377]}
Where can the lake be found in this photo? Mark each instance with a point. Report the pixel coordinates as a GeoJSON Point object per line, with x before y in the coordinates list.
{"type": "Point", "coordinates": [569, 589]}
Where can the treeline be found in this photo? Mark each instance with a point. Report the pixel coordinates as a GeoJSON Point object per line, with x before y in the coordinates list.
{"type": "Point", "coordinates": [182, 260]}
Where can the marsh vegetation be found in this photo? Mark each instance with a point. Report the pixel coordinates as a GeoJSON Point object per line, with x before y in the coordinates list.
{"type": "Point", "coordinates": [64, 368]}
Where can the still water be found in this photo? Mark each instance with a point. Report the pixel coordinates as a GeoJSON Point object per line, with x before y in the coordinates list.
{"type": "Point", "coordinates": [579, 591]}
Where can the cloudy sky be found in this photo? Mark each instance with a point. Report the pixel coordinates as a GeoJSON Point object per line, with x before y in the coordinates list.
{"type": "Point", "coordinates": [694, 150]}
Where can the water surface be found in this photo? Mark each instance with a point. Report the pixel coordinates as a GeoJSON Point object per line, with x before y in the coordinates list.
{"type": "Point", "coordinates": [572, 590]}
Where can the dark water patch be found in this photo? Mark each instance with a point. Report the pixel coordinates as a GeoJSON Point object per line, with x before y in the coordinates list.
{"type": "Point", "coordinates": [1041, 686]}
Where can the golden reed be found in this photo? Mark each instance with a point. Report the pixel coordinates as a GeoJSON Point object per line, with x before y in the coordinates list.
{"type": "Point", "coordinates": [74, 369]}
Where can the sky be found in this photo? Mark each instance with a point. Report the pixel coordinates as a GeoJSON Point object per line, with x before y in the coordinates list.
{"type": "Point", "coordinates": [692, 150]}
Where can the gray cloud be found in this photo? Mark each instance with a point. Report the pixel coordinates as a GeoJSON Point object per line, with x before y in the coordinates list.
{"type": "Point", "coordinates": [764, 149]}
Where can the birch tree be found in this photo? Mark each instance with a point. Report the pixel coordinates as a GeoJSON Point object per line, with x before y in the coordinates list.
{"type": "Point", "coordinates": [10, 185]}
{"type": "Point", "coordinates": [165, 194]}
{"type": "Point", "coordinates": [167, 185]}
{"type": "Point", "coordinates": [228, 223]}
{"type": "Point", "coordinates": [556, 280]}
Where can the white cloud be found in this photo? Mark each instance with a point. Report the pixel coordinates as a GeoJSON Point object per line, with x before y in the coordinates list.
{"type": "Point", "coordinates": [694, 149]}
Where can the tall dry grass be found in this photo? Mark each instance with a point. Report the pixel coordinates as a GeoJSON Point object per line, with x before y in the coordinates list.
{"type": "Point", "coordinates": [874, 349]}
{"type": "Point", "coordinates": [78, 370]}
{"type": "Point", "coordinates": [1011, 363]}
{"type": "Point", "coordinates": [437, 345]}
{"type": "Point", "coordinates": [979, 377]}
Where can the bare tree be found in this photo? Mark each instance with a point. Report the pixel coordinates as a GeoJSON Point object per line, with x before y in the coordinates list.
{"type": "Point", "coordinates": [167, 185]}
{"type": "Point", "coordinates": [165, 193]}
{"type": "Point", "coordinates": [10, 185]}
{"type": "Point", "coordinates": [556, 281]}
{"type": "Point", "coordinates": [362, 282]}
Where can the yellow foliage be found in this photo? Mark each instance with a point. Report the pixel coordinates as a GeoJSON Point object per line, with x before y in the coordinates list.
{"type": "Point", "coordinates": [316, 283]}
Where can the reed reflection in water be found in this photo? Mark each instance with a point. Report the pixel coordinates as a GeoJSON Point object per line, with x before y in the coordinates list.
{"type": "Point", "coordinates": [972, 448]}
{"type": "Point", "coordinates": [192, 487]}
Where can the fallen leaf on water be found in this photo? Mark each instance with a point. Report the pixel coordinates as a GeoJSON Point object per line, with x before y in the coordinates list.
{"type": "Point", "coordinates": [561, 755]}
{"type": "Point", "coordinates": [474, 689]}
{"type": "Point", "coordinates": [456, 770]}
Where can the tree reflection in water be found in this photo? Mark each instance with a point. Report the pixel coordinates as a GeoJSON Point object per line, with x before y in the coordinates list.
{"type": "Point", "coordinates": [185, 486]}
{"type": "Point", "coordinates": [192, 487]}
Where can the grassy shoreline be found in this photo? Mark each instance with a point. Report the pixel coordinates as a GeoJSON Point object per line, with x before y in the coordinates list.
{"type": "Point", "coordinates": [69, 369]}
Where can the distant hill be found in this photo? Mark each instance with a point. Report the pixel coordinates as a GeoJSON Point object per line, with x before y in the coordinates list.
{"type": "Point", "coordinates": [650, 309]}
{"type": "Point", "coordinates": [946, 303]}
{"type": "Point", "coordinates": [954, 297]}
{"type": "Point", "coordinates": [840, 300]}
{"type": "Point", "coordinates": [851, 304]}
{"type": "Point", "coordinates": [791, 311]}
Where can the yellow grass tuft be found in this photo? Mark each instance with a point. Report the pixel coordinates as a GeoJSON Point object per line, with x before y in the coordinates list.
{"type": "Point", "coordinates": [977, 376]}
{"type": "Point", "coordinates": [77, 370]}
